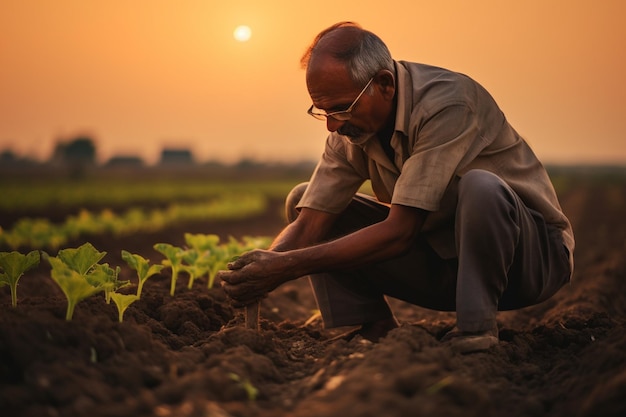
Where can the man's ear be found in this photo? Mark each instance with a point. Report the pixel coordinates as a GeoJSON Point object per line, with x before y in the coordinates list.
{"type": "Point", "coordinates": [387, 82]}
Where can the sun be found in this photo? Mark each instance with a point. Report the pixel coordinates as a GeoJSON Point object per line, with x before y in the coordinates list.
{"type": "Point", "coordinates": [242, 33]}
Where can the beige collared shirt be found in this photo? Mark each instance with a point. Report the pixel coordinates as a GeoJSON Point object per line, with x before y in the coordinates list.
{"type": "Point", "coordinates": [446, 124]}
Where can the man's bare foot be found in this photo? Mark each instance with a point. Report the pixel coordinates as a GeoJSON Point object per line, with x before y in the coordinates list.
{"type": "Point", "coordinates": [372, 331]}
{"type": "Point", "coordinates": [376, 330]}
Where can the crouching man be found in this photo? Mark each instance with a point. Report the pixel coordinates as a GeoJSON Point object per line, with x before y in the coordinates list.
{"type": "Point", "coordinates": [464, 218]}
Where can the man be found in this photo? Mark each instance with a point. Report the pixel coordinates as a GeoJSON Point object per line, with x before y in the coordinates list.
{"type": "Point", "coordinates": [465, 217]}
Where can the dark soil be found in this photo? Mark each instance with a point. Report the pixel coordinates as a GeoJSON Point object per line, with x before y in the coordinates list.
{"type": "Point", "coordinates": [190, 355]}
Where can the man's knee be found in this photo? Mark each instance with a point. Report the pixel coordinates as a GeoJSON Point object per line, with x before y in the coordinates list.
{"type": "Point", "coordinates": [480, 189]}
{"type": "Point", "coordinates": [480, 179]}
{"type": "Point", "coordinates": [292, 200]}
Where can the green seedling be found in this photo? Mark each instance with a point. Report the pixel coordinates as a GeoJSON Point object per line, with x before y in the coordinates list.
{"type": "Point", "coordinates": [219, 259]}
{"type": "Point", "coordinates": [79, 275]}
{"type": "Point", "coordinates": [211, 256]}
{"type": "Point", "coordinates": [196, 264]}
{"type": "Point", "coordinates": [84, 260]}
{"type": "Point", "coordinates": [73, 284]}
{"type": "Point", "coordinates": [251, 391]}
{"type": "Point", "coordinates": [122, 301]}
{"type": "Point", "coordinates": [201, 242]}
{"type": "Point", "coordinates": [439, 385]}
{"type": "Point", "coordinates": [143, 268]}
{"type": "Point", "coordinates": [315, 315]}
{"type": "Point", "coordinates": [106, 277]}
{"type": "Point", "coordinates": [12, 267]}
{"type": "Point", "coordinates": [174, 257]}
{"type": "Point", "coordinates": [258, 242]}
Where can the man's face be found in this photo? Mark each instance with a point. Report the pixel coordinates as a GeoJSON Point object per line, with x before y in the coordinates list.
{"type": "Point", "coordinates": [332, 90]}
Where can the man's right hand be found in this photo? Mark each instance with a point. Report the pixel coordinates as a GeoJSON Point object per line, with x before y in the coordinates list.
{"type": "Point", "coordinates": [253, 275]}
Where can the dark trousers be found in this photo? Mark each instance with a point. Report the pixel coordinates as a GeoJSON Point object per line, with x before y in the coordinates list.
{"type": "Point", "coordinates": [507, 257]}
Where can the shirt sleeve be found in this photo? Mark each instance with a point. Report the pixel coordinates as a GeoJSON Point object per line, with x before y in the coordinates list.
{"type": "Point", "coordinates": [446, 141]}
{"type": "Point", "coordinates": [337, 177]}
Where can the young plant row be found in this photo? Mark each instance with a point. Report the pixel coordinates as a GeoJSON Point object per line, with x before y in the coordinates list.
{"type": "Point", "coordinates": [42, 233]}
{"type": "Point", "coordinates": [28, 194]}
{"type": "Point", "coordinates": [79, 273]}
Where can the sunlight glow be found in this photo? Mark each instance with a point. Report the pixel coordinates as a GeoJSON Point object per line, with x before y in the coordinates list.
{"type": "Point", "coordinates": [242, 33]}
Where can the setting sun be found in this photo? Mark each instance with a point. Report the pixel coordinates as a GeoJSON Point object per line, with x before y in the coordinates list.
{"type": "Point", "coordinates": [242, 33]}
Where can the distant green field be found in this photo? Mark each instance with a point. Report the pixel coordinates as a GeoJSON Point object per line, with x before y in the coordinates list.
{"type": "Point", "coordinates": [40, 233]}
{"type": "Point", "coordinates": [565, 178]}
{"type": "Point", "coordinates": [33, 194]}
{"type": "Point", "coordinates": [120, 205]}
{"type": "Point", "coordinates": [29, 194]}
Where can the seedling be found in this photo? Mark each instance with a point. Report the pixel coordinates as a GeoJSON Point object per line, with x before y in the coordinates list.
{"type": "Point", "coordinates": [105, 276]}
{"type": "Point", "coordinates": [212, 256]}
{"type": "Point", "coordinates": [74, 285]}
{"type": "Point", "coordinates": [174, 257]}
{"type": "Point", "coordinates": [251, 391]}
{"type": "Point", "coordinates": [79, 275]}
{"type": "Point", "coordinates": [122, 301]}
{"type": "Point", "coordinates": [219, 260]}
{"type": "Point", "coordinates": [12, 267]}
{"type": "Point", "coordinates": [315, 315]}
{"type": "Point", "coordinates": [196, 264]}
{"type": "Point", "coordinates": [143, 268]}
{"type": "Point", "coordinates": [202, 242]}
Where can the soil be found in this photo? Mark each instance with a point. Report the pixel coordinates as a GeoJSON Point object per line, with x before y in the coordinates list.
{"type": "Point", "coordinates": [190, 354]}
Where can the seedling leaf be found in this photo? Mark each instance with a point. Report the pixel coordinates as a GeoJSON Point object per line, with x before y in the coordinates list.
{"type": "Point", "coordinates": [74, 285]}
{"type": "Point", "coordinates": [202, 242]}
{"type": "Point", "coordinates": [143, 268]}
{"type": "Point", "coordinates": [101, 275]}
{"type": "Point", "coordinates": [12, 266]}
{"type": "Point", "coordinates": [174, 257]}
{"type": "Point", "coordinates": [81, 259]}
{"type": "Point", "coordinates": [251, 391]}
{"type": "Point", "coordinates": [122, 301]}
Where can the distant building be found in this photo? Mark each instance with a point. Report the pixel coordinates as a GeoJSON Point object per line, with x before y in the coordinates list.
{"type": "Point", "coordinates": [176, 157]}
{"type": "Point", "coordinates": [7, 157]}
{"type": "Point", "coordinates": [125, 161]}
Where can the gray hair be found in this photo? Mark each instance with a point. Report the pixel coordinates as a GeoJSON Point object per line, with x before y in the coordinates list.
{"type": "Point", "coordinates": [363, 52]}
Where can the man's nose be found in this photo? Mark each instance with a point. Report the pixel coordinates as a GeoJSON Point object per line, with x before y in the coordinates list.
{"type": "Point", "coordinates": [333, 124]}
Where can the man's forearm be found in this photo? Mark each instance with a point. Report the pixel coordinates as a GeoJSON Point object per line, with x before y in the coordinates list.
{"type": "Point", "coordinates": [356, 249]}
{"type": "Point", "coordinates": [309, 229]}
{"type": "Point", "coordinates": [291, 238]}
{"type": "Point", "coordinates": [378, 242]}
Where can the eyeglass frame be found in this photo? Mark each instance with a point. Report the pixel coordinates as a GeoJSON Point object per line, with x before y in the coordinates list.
{"type": "Point", "coordinates": [345, 115]}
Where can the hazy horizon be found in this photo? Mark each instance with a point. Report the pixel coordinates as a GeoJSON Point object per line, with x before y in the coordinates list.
{"type": "Point", "coordinates": [140, 76]}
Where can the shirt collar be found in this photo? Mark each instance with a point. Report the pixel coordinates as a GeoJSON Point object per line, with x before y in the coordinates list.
{"type": "Point", "coordinates": [404, 87]}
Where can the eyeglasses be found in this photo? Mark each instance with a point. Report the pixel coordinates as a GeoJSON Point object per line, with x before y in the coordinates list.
{"type": "Point", "coordinates": [341, 115]}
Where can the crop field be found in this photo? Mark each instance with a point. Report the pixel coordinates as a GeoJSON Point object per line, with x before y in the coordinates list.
{"type": "Point", "coordinates": [109, 309]}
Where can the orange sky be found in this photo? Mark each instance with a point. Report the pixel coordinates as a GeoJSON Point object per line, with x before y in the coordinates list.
{"type": "Point", "coordinates": [142, 74]}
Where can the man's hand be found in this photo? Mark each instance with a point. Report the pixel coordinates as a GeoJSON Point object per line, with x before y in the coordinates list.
{"type": "Point", "coordinates": [253, 275]}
